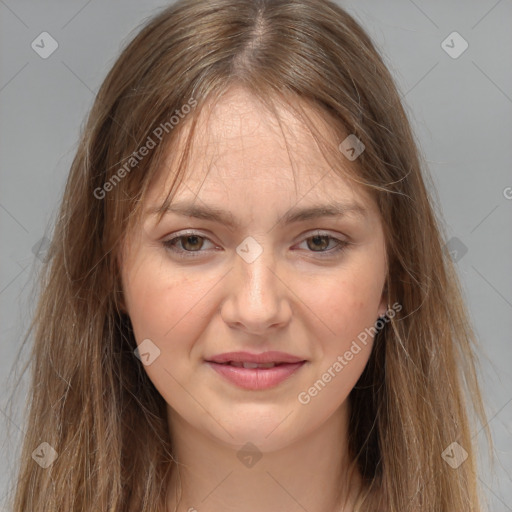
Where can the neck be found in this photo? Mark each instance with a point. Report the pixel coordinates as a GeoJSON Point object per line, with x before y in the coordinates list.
{"type": "Point", "coordinates": [312, 474]}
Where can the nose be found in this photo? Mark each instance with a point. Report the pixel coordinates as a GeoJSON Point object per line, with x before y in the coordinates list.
{"type": "Point", "coordinates": [257, 298]}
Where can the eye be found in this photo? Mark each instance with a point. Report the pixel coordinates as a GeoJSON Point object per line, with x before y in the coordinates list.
{"type": "Point", "coordinates": [319, 242]}
{"type": "Point", "coordinates": [190, 243]}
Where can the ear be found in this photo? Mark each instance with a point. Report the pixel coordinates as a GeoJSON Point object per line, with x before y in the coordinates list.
{"type": "Point", "coordinates": [120, 292]}
{"type": "Point", "coordinates": [383, 306]}
{"type": "Point", "coordinates": [122, 305]}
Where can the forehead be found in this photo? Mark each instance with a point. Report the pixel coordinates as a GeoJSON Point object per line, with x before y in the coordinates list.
{"type": "Point", "coordinates": [239, 145]}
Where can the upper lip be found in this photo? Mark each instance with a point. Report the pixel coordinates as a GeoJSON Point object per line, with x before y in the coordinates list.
{"type": "Point", "coordinates": [247, 357]}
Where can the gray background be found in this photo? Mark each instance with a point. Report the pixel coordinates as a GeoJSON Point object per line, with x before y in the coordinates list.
{"type": "Point", "coordinates": [460, 109]}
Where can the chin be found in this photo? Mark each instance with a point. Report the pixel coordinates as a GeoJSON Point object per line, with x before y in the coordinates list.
{"type": "Point", "coordinates": [269, 427]}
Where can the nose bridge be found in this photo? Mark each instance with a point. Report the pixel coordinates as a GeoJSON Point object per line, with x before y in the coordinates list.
{"type": "Point", "coordinates": [256, 297]}
{"type": "Point", "coordinates": [255, 270]}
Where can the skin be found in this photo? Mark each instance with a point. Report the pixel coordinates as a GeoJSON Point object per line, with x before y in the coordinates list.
{"type": "Point", "coordinates": [292, 298]}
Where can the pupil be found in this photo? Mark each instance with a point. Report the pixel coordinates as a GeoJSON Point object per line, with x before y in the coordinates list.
{"type": "Point", "coordinates": [195, 239]}
{"type": "Point", "coordinates": [316, 239]}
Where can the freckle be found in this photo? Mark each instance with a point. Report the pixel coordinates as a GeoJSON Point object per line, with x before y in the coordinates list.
{"type": "Point", "coordinates": [359, 305]}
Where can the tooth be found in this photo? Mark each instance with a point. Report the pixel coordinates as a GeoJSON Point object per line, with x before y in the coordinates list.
{"type": "Point", "coordinates": [258, 365]}
{"type": "Point", "coordinates": [249, 365]}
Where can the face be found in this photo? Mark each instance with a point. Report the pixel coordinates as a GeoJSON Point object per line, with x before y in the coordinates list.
{"type": "Point", "coordinates": [209, 297]}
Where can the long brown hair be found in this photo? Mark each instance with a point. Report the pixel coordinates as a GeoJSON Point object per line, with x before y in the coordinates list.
{"type": "Point", "coordinates": [90, 398]}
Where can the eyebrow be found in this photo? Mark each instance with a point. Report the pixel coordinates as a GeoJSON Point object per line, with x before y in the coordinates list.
{"type": "Point", "coordinates": [295, 214]}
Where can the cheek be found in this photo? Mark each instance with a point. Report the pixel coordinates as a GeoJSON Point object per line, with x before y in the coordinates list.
{"type": "Point", "coordinates": [345, 305]}
{"type": "Point", "coordinates": [349, 306]}
{"type": "Point", "coordinates": [169, 307]}
{"type": "Point", "coordinates": [147, 300]}
{"type": "Point", "coordinates": [349, 309]}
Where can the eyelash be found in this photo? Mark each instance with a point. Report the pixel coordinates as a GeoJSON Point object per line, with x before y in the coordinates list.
{"type": "Point", "coordinates": [183, 253]}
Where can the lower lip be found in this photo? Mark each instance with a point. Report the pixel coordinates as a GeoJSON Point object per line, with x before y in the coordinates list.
{"type": "Point", "coordinates": [256, 378]}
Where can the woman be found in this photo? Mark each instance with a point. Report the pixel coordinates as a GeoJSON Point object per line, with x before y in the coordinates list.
{"type": "Point", "coordinates": [311, 353]}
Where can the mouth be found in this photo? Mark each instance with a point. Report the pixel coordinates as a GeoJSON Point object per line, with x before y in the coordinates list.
{"type": "Point", "coordinates": [256, 371]}
{"type": "Point", "coordinates": [247, 365]}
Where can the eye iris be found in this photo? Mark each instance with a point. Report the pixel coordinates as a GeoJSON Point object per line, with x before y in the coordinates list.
{"type": "Point", "coordinates": [317, 240]}
{"type": "Point", "coordinates": [194, 238]}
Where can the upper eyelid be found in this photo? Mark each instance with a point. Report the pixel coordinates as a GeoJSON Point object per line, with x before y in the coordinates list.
{"type": "Point", "coordinates": [192, 232]}
{"type": "Point", "coordinates": [319, 232]}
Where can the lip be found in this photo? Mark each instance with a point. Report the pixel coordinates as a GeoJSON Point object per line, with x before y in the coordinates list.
{"type": "Point", "coordinates": [255, 379]}
{"type": "Point", "coordinates": [248, 357]}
